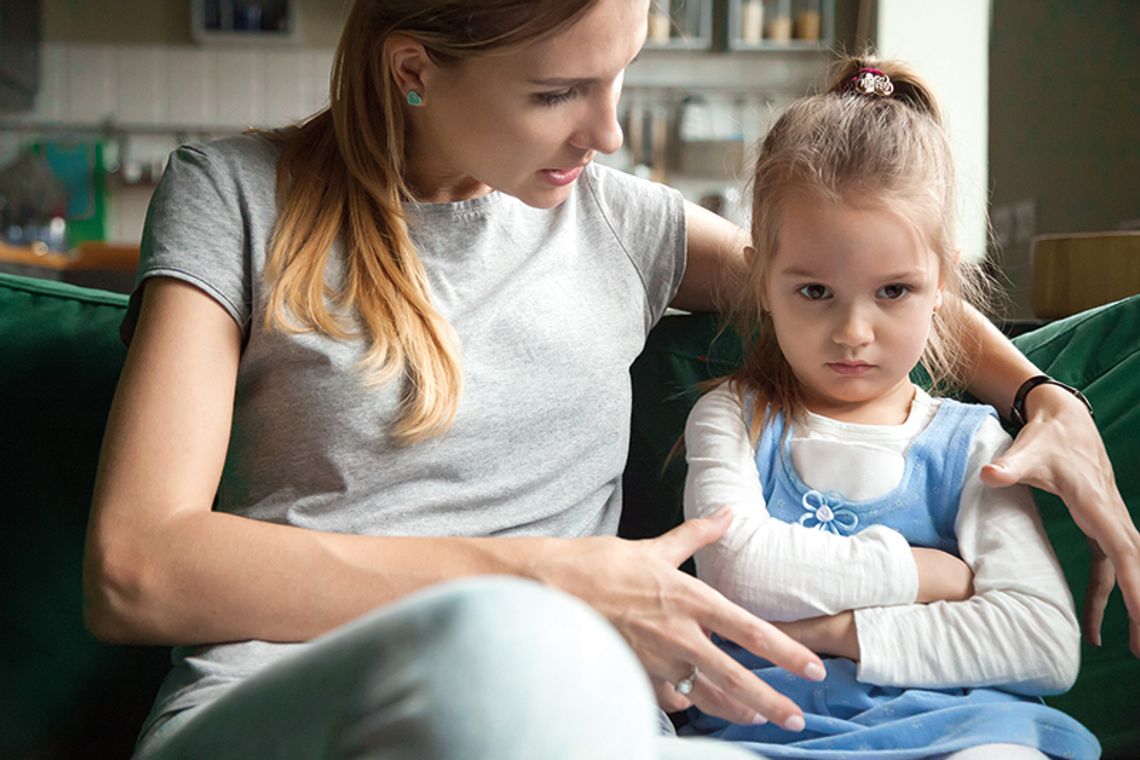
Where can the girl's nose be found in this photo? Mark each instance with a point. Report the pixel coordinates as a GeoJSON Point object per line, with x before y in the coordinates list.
{"type": "Point", "coordinates": [853, 328]}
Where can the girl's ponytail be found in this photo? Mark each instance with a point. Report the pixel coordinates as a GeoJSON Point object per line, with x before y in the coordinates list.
{"type": "Point", "coordinates": [858, 76]}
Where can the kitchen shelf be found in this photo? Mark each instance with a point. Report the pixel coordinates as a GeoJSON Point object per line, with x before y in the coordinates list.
{"type": "Point", "coordinates": [244, 22]}
{"type": "Point", "coordinates": [784, 25]}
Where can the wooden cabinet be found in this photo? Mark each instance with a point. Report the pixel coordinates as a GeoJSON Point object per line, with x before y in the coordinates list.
{"type": "Point", "coordinates": [1078, 271]}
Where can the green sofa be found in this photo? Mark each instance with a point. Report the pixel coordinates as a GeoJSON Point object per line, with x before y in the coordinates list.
{"type": "Point", "coordinates": [65, 695]}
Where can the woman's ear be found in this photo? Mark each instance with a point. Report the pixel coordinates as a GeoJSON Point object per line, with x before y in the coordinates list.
{"type": "Point", "coordinates": [409, 64]}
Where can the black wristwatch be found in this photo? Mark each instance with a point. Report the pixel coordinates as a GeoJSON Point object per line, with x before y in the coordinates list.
{"type": "Point", "coordinates": [1017, 411]}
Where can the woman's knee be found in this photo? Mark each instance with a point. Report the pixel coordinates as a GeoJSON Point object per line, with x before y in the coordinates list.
{"type": "Point", "coordinates": [497, 632]}
{"type": "Point", "coordinates": [502, 667]}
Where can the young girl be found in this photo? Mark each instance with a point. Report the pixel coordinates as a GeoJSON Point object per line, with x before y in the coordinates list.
{"type": "Point", "coordinates": [821, 441]}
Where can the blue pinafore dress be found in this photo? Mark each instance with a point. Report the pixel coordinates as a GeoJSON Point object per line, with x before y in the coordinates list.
{"type": "Point", "coordinates": [847, 718]}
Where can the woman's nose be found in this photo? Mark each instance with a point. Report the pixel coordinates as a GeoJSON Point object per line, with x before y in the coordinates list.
{"type": "Point", "coordinates": [600, 130]}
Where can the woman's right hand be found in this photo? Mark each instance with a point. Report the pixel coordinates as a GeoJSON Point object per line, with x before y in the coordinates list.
{"type": "Point", "coordinates": [667, 616]}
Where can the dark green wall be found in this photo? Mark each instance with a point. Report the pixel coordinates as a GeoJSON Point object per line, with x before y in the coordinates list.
{"type": "Point", "coordinates": [1064, 117]}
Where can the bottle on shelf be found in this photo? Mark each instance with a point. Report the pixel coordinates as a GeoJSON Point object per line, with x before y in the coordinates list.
{"type": "Point", "coordinates": [809, 20]}
{"type": "Point", "coordinates": [752, 21]}
{"type": "Point", "coordinates": [660, 24]}
{"type": "Point", "coordinates": [778, 18]}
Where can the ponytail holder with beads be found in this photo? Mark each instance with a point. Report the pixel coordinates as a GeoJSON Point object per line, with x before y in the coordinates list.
{"type": "Point", "coordinates": [870, 82]}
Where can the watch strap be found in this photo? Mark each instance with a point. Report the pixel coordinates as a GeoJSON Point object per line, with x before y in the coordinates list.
{"type": "Point", "coordinates": [1017, 411]}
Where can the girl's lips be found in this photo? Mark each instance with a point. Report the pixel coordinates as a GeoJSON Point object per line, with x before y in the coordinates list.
{"type": "Point", "coordinates": [850, 368]}
{"type": "Point", "coordinates": [561, 177]}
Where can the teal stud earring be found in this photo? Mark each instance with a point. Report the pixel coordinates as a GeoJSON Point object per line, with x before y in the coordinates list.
{"type": "Point", "coordinates": [414, 98]}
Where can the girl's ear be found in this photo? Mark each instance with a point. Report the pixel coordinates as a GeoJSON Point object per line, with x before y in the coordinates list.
{"type": "Point", "coordinates": [408, 62]}
{"type": "Point", "coordinates": [955, 258]}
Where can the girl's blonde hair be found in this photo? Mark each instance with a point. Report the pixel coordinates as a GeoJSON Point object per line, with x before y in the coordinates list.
{"type": "Point", "coordinates": [341, 176]}
{"type": "Point", "coordinates": [850, 146]}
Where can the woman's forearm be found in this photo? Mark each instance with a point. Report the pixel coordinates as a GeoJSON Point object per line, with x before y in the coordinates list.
{"type": "Point", "coordinates": [211, 576]}
{"type": "Point", "coordinates": [214, 577]}
{"type": "Point", "coordinates": [998, 367]}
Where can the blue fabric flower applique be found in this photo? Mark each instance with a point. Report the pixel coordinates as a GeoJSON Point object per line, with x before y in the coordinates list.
{"type": "Point", "coordinates": [824, 511]}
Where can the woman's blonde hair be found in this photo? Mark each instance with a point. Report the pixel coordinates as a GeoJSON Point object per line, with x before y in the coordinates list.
{"type": "Point", "coordinates": [845, 145]}
{"type": "Point", "coordinates": [341, 176]}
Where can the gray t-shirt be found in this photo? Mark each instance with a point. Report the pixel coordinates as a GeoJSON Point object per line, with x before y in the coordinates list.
{"type": "Point", "coordinates": [551, 306]}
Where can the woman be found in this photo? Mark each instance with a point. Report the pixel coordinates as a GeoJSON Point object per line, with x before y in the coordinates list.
{"type": "Point", "coordinates": [393, 344]}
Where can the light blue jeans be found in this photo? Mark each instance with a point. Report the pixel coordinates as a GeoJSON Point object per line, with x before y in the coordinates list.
{"type": "Point", "coordinates": [481, 668]}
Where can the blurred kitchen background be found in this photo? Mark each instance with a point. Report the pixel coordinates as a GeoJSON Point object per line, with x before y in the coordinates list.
{"type": "Point", "coordinates": [1043, 98]}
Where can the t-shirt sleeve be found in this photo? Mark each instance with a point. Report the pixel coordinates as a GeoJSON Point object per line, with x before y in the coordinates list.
{"type": "Point", "coordinates": [648, 221]}
{"type": "Point", "coordinates": [197, 230]}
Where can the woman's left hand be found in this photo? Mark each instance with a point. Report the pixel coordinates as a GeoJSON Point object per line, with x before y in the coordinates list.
{"type": "Point", "coordinates": [1060, 450]}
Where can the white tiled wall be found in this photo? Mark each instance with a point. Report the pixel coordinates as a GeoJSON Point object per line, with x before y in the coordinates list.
{"type": "Point", "coordinates": [221, 89]}
{"type": "Point", "coordinates": [188, 91]}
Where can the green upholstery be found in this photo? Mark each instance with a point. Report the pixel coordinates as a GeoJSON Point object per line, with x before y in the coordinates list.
{"type": "Point", "coordinates": [1098, 351]}
{"type": "Point", "coordinates": [65, 695]}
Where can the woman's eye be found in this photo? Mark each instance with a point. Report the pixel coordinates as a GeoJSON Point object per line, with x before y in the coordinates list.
{"type": "Point", "coordinates": [893, 292]}
{"type": "Point", "coordinates": [556, 98]}
{"type": "Point", "coordinates": [815, 292]}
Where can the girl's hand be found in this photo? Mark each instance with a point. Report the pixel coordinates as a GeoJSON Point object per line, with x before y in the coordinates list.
{"type": "Point", "coordinates": [827, 634]}
{"type": "Point", "coordinates": [1059, 450]}
{"type": "Point", "coordinates": [667, 616]}
{"type": "Point", "coordinates": [942, 577]}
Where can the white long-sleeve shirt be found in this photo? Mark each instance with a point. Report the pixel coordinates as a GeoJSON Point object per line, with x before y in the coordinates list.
{"type": "Point", "coordinates": [1019, 631]}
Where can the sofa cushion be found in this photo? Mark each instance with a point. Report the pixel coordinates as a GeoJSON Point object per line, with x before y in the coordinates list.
{"type": "Point", "coordinates": [64, 693]}
{"type": "Point", "coordinates": [1098, 351]}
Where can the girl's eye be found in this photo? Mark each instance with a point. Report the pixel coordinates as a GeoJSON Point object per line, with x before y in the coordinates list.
{"type": "Point", "coordinates": [815, 292]}
{"type": "Point", "coordinates": [893, 292]}
{"type": "Point", "coordinates": [556, 98]}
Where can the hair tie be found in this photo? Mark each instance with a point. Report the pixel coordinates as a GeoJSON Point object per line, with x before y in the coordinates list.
{"type": "Point", "coordinates": [870, 82]}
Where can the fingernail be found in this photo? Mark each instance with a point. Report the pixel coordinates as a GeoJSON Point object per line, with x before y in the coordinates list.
{"type": "Point", "coordinates": [794, 723]}
{"type": "Point", "coordinates": [758, 720]}
{"type": "Point", "coordinates": [721, 512]}
{"type": "Point", "coordinates": [815, 672]}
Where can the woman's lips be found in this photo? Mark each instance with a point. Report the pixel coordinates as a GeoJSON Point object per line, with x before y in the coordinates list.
{"type": "Point", "coordinates": [561, 177]}
{"type": "Point", "coordinates": [850, 368]}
